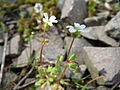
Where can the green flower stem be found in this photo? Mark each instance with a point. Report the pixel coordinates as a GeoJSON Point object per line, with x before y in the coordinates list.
{"type": "Point", "coordinates": [70, 47]}
{"type": "Point", "coordinates": [63, 73]}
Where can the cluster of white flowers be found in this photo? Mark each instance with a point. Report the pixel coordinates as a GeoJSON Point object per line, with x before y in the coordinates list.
{"type": "Point", "coordinates": [50, 20]}
{"type": "Point", "coordinates": [76, 27]}
{"type": "Point", "coordinates": [38, 9]}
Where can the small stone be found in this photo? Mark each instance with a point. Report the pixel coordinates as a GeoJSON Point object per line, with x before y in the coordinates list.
{"type": "Point", "coordinates": [1, 53]}
{"type": "Point", "coordinates": [53, 48]}
{"type": "Point", "coordinates": [104, 14]}
{"type": "Point", "coordinates": [23, 14]}
{"type": "Point", "coordinates": [8, 78]}
{"type": "Point", "coordinates": [55, 45]}
{"type": "Point", "coordinates": [13, 45]}
{"type": "Point", "coordinates": [60, 4]}
{"type": "Point", "coordinates": [97, 33]}
{"type": "Point", "coordinates": [24, 59]}
{"type": "Point", "coordinates": [113, 26]}
{"type": "Point", "coordinates": [103, 61]}
{"type": "Point", "coordinates": [100, 19]}
{"type": "Point", "coordinates": [74, 11]}
{"type": "Point", "coordinates": [1, 41]}
{"type": "Point", "coordinates": [29, 10]}
{"type": "Point", "coordinates": [29, 80]}
{"type": "Point", "coordinates": [102, 88]}
{"type": "Point", "coordinates": [11, 22]}
{"type": "Point", "coordinates": [11, 26]}
{"type": "Point", "coordinates": [10, 1]}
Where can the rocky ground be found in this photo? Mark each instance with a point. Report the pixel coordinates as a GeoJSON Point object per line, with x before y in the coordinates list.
{"type": "Point", "coordinates": [98, 49]}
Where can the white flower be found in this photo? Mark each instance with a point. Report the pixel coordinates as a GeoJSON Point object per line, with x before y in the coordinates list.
{"type": "Point", "coordinates": [76, 27]}
{"type": "Point", "coordinates": [71, 29]}
{"type": "Point", "coordinates": [38, 7]}
{"type": "Point", "coordinates": [50, 20]}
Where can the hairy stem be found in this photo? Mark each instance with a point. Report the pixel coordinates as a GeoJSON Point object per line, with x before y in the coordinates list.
{"type": "Point", "coordinates": [41, 50]}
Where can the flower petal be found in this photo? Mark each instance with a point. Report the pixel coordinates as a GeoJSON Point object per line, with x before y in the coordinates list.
{"type": "Point", "coordinates": [38, 7]}
{"type": "Point", "coordinates": [50, 23]}
{"type": "Point", "coordinates": [69, 26]}
{"type": "Point", "coordinates": [72, 30]}
{"type": "Point", "coordinates": [83, 26]}
{"type": "Point", "coordinates": [52, 19]}
{"type": "Point", "coordinates": [77, 25]}
{"type": "Point", "coordinates": [46, 16]}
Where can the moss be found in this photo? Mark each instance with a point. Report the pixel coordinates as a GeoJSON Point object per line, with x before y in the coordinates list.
{"type": "Point", "coordinates": [91, 7]}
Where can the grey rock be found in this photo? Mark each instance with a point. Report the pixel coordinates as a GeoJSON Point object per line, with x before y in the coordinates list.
{"type": "Point", "coordinates": [23, 14]}
{"type": "Point", "coordinates": [102, 88]}
{"type": "Point", "coordinates": [24, 59]}
{"type": "Point", "coordinates": [1, 36]}
{"type": "Point", "coordinates": [100, 19]}
{"type": "Point", "coordinates": [10, 1]}
{"type": "Point", "coordinates": [8, 77]}
{"type": "Point", "coordinates": [12, 22]}
{"type": "Point", "coordinates": [51, 49]}
{"type": "Point", "coordinates": [1, 53]}
{"type": "Point", "coordinates": [13, 45]}
{"type": "Point", "coordinates": [70, 74]}
{"type": "Point", "coordinates": [97, 33]}
{"type": "Point", "coordinates": [113, 26]}
{"type": "Point", "coordinates": [55, 45]}
{"type": "Point", "coordinates": [60, 4]}
{"type": "Point", "coordinates": [1, 47]}
{"type": "Point", "coordinates": [29, 10]}
{"type": "Point", "coordinates": [77, 47]}
{"type": "Point", "coordinates": [104, 14]}
{"type": "Point", "coordinates": [103, 61]}
{"type": "Point", "coordinates": [74, 11]}
{"type": "Point", "coordinates": [11, 26]}
{"type": "Point", "coordinates": [29, 80]}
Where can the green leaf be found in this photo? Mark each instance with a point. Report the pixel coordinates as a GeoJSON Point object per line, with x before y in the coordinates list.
{"type": "Point", "coordinates": [58, 69]}
{"type": "Point", "coordinates": [76, 70]}
{"type": "Point", "coordinates": [38, 75]}
{"type": "Point", "coordinates": [61, 58]}
{"type": "Point", "coordinates": [40, 82]}
{"type": "Point", "coordinates": [72, 57]}
{"type": "Point", "coordinates": [49, 68]}
{"type": "Point", "coordinates": [51, 79]}
{"type": "Point", "coordinates": [71, 65]}
{"type": "Point", "coordinates": [64, 82]}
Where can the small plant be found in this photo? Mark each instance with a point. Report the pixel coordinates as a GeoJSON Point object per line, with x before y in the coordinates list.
{"type": "Point", "coordinates": [54, 75]}
{"type": "Point", "coordinates": [91, 7]}
{"type": "Point", "coordinates": [116, 6]}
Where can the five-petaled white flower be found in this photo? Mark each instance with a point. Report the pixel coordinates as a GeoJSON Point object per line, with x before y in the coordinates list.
{"type": "Point", "coordinates": [76, 27]}
{"type": "Point", "coordinates": [50, 20]}
{"type": "Point", "coordinates": [38, 7]}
